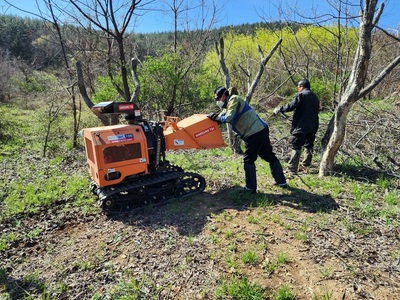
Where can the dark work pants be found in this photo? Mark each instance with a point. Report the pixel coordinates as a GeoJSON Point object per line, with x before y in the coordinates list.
{"type": "Point", "coordinates": [259, 145]}
{"type": "Point", "coordinates": [303, 139]}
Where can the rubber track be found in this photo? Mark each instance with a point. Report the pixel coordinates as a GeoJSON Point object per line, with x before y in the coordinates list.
{"type": "Point", "coordinates": [152, 189]}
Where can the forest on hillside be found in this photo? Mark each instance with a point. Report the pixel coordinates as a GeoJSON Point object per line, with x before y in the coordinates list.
{"type": "Point", "coordinates": [31, 55]}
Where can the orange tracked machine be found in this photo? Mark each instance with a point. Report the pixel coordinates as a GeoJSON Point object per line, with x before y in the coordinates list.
{"type": "Point", "coordinates": [128, 165]}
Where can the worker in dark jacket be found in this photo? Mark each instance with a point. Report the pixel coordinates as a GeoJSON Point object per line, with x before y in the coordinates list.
{"type": "Point", "coordinates": [304, 125]}
{"type": "Point", "coordinates": [253, 131]}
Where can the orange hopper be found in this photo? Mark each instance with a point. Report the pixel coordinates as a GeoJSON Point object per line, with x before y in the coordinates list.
{"type": "Point", "coordinates": [195, 132]}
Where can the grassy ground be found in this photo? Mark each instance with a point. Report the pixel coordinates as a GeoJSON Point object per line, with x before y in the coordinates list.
{"type": "Point", "coordinates": [323, 238]}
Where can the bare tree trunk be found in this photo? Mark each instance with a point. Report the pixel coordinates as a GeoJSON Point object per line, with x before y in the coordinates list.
{"type": "Point", "coordinates": [71, 90]}
{"type": "Point", "coordinates": [234, 141]}
{"type": "Point", "coordinates": [135, 94]}
{"type": "Point", "coordinates": [221, 57]}
{"type": "Point", "coordinates": [263, 62]}
{"type": "Point", "coordinates": [82, 89]}
{"type": "Point", "coordinates": [52, 117]}
{"type": "Point", "coordinates": [335, 139]}
{"type": "Point", "coordinates": [355, 88]}
{"type": "Point", "coordinates": [114, 23]}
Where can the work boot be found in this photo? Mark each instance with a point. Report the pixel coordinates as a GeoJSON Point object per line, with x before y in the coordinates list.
{"type": "Point", "coordinates": [277, 173]}
{"type": "Point", "coordinates": [294, 160]}
{"type": "Point", "coordinates": [308, 154]}
{"type": "Point", "coordinates": [251, 177]}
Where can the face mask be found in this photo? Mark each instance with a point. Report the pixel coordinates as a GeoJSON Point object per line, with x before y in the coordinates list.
{"type": "Point", "coordinates": [220, 104]}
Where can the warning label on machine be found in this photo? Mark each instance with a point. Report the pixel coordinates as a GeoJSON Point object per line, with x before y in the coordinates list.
{"type": "Point", "coordinates": [127, 106]}
{"type": "Point", "coordinates": [205, 131]}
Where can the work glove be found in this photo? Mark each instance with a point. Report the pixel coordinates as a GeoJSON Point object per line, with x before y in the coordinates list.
{"type": "Point", "coordinates": [213, 116]}
{"type": "Point", "coordinates": [277, 110]}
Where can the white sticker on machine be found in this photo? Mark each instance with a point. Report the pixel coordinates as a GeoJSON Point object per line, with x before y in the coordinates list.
{"type": "Point", "coordinates": [179, 142]}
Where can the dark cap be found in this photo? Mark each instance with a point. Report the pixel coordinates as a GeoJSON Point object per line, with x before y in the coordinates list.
{"type": "Point", "coordinates": [219, 91]}
{"type": "Point", "coordinates": [304, 83]}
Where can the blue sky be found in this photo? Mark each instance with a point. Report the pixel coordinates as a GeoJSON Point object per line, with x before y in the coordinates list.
{"type": "Point", "coordinates": [232, 12]}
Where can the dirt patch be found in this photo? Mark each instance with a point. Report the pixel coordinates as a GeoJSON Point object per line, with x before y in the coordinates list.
{"type": "Point", "coordinates": [182, 251]}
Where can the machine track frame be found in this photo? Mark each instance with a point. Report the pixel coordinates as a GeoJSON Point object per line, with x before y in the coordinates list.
{"type": "Point", "coordinates": [153, 189]}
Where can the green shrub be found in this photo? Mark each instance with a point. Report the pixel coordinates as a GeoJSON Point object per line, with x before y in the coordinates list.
{"type": "Point", "coordinates": [240, 288]}
{"type": "Point", "coordinates": [105, 90]}
{"type": "Point", "coordinates": [37, 82]}
{"type": "Point", "coordinates": [323, 90]}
